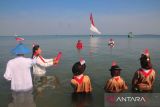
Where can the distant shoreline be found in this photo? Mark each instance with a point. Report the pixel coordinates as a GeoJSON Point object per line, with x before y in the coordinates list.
{"type": "Point", "coordinates": [81, 35]}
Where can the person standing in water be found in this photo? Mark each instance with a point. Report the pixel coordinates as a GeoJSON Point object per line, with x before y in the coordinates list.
{"type": "Point", "coordinates": [39, 70]}
{"type": "Point", "coordinates": [18, 69]}
{"type": "Point", "coordinates": [144, 77]}
{"type": "Point", "coordinates": [116, 84]}
{"type": "Point", "coordinates": [111, 43]}
{"type": "Point", "coordinates": [80, 82]}
{"type": "Point", "coordinates": [79, 45]}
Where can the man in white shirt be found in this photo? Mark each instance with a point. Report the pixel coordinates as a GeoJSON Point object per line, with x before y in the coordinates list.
{"type": "Point", "coordinates": [18, 70]}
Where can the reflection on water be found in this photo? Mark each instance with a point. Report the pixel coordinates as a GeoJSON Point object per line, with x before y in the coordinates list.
{"type": "Point", "coordinates": [79, 53]}
{"type": "Point", "coordinates": [93, 43]}
{"type": "Point", "coordinates": [81, 100]}
{"type": "Point", "coordinates": [27, 99]}
{"type": "Point", "coordinates": [43, 82]}
{"type": "Point", "coordinates": [110, 50]}
{"type": "Point", "coordinates": [22, 99]}
{"type": "Point", "coordinates": [129, 44]}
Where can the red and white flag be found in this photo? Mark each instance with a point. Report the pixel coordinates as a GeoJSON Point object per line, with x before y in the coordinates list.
{"type": "Point", "coordinates": [82, 61]}
{"type": "Point", "coordinates": [146, 52]}
{"type": "Point", "coordinates": [19, 39]}
{"type": "Point", "coordinates": [93, 27]}
{"type": "Point", "coordinates": [114, 63]}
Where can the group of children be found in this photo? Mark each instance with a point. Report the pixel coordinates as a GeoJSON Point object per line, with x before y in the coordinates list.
{"type": "Point", "coordinates": [142, 81]}
{"type": "Point", "coordinates": [18, 72]}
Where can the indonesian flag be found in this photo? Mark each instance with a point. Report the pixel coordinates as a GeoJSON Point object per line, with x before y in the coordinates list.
{"type": "Point", "coordinates": [146, 52]}
{"type": "Point", "coordinates": [93, 27]}
{"type": "Point", "coordinates": [19, 39]}
{"type": "Point", "coordinates": [58, 57]}
{"type": "Point", "coordinates": [82, 61]}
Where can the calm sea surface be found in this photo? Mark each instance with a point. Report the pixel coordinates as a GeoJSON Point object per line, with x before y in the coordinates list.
{"type": "Point", "coordinates": [98, 58]}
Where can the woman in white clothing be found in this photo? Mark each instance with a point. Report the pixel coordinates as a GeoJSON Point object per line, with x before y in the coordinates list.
{"type": "Point", "coordinates": [39, 69]}
{"type": "Point", "coordinates": [41, 63]}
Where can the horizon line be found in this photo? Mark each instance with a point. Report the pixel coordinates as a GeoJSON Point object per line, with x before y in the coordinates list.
{"type": "Point", "coordinates": [74, 34]}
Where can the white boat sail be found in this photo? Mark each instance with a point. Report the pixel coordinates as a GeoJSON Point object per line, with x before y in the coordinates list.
{"type": "Point", "coordinates": [93, 27]}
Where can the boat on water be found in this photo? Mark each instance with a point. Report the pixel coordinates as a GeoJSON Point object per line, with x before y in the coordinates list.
{"type": "Point", "coordinates": [130, 35]}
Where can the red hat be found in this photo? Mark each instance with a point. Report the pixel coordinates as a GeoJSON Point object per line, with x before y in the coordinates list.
{"type": "Point", "coordinates": [114, 66]}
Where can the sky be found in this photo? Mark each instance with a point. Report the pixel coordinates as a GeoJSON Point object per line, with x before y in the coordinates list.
{"type": "Point", "coordinates": [71, 17]}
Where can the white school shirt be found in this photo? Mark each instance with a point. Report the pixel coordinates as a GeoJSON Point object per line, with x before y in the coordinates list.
{"type": "Point", "coordinates": [39, 69]}
{"type": "Point", "coordinates": [18, 72]}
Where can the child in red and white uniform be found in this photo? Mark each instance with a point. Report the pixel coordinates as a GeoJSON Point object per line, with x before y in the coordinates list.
{"type": "Point", "coordinates": [80, 82]}
{"type": "Point", "coordinates": [111, 43]}
{"type": "Point", "coordinates": [116, 84]}
{"type": "Point", "coordinates": [144, 77]}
